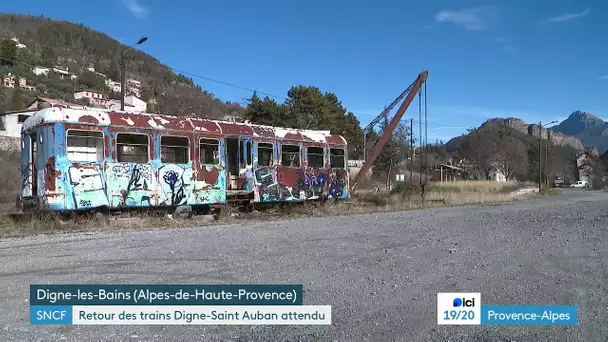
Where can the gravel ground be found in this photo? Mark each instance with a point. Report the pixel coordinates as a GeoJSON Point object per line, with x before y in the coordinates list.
{"type": "Point", "coordinates": [380, 272]}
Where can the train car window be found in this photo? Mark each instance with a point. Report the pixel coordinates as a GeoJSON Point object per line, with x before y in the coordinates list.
{"type": "Point", "coordinates": [336, 158]}
{"type": "Point", "coordinates": [174, 150]}
{"type": "Point", "coordinates": [209, 151]}
{"type": "Point", "coordinates": [290, 155]}
{"type": "Point", "coordinates": [265, 152]}
{"type": "Point", "coordinates": [133, 148]}
{"type": "Point", "coordinates": [84, 146]}
{"type": "Point", "coordinates": [316, 157]}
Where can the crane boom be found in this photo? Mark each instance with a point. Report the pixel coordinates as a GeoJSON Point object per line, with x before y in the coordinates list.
{"type": "Point", "coordinates": [385, 112]}
{"type": "Point", "coordinates": [388, 131]}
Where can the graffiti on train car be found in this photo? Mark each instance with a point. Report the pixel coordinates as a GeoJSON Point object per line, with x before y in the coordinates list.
{"type": "Point", "coordinates": [210, 185]}
{"type": "Point", "coordinates": [284, 184]}
{"type": "Point", "coordinates": [130, 184]}
{"type": "Point", "coordinates": [88, 188]}
{"type": "Point", "coordinates": [338, 184]}
{"type": "Point", "coordinates": [175, 181]}
{"type": "Point", "coordinates": [26, 185]}
{"type": "Point", "coordinates": [73, 163]}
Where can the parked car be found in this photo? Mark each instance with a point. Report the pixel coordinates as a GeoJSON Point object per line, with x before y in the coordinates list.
{"type": "Point", "coordinates": [579, 184]}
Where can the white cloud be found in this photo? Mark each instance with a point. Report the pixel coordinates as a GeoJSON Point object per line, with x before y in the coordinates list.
{"type": "Point", "coordinates": [568, 16]}
{"type": "Point", "coordinates": [474, 18]}
{"type": "Point", "coordinates": [604, 77]}
{"type": "Point", "coordinates": [136, 8]}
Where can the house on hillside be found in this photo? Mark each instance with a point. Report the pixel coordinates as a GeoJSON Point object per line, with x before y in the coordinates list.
{"type": "Point", "coordinates": [18, 44]}
{"type": "Point", "coordinates": [114, 85]}
{"type": "Point", "coordinates": [133, 104]}
{"type": "Point", "coordinates": [11, 81]}
{"type": "Point", "coordinates": [134, 83]}
{"type": "Point", "coordinates": [41, 71]}
{"type": "Point", "coordinates": [61, 72]}
{"type": "Point", "coordinates": [13, 120]}
{"type": "Point", "coordinates": [96, 99]}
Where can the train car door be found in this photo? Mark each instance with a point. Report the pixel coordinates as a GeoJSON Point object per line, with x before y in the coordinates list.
{"type": "Point", "coordinates": [239, 164]}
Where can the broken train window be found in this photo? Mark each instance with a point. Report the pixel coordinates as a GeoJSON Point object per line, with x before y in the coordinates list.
{"type": "Point", "coordinates": [174, 150]}
{"type": "Point", "coordinates": [290, 155]}
{"type": "Point", "coordinates": [316, 157]}
{"type": "Point", "coordinates": [265, 152]}
{"type": "Point", "coordinates": [209, 151]}
{"type": "Point", "coordinates": [84, 146]}
{"type": "Point", "coordinates": [132, 147]}
{"type": "Point", "coordinates": [337, 158]}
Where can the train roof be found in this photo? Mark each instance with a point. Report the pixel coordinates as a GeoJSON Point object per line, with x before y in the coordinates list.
{"type": "Point", "coordinates": [174, 123]}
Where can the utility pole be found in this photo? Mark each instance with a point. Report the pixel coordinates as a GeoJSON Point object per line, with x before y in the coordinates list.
{"type": "Point", "coordinates": [540, 156]}
{"type": "Point", "coordinates": [412, 154]}
{"type": "Point", "coordinates": [549, 145]}
{"type": "Point", "coordinates": [122, 72]}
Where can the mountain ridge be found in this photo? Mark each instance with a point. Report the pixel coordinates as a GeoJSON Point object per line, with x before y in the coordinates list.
{"type": "Point", "coordinates": [533, 130]}
{"type": "Point", "coordinates": [588, 128]}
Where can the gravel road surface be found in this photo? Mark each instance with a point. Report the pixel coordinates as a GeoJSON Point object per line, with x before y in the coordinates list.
{"type": "Point", "coordinates": [379, 272]}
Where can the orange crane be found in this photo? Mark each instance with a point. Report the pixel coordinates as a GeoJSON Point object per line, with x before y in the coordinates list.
{"type": "Point", "coordinates": [387, 133]}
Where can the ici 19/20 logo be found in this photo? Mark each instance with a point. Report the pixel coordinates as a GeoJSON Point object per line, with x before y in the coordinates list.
{"type": "Point", "coordinates": [463, 302]}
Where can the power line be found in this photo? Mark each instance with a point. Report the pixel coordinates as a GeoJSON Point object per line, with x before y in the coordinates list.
{"type": "Point", "coordinates": [236, 86]}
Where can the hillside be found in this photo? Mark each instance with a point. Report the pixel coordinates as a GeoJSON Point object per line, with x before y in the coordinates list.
{"type": "Point", "coordinates": [517, 144]}
{"type": "Point", "coordinates": [590, 129]}
{"type": "Point", "coordinates": [49, 43]}
{"type": "Point", "coordinates": [530, 130]}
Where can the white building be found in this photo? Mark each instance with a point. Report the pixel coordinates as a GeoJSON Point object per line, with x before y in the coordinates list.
{"type": "Point", "coordinates": [134, 83]}
{"type": "Point", "coordinates": [497, 176]}
{"type": "Point", "coordinates": [28, 87]}
{"type": "Point", "coordinates": [95, 98]}
{"type": "Point", "coordinates": [133, 104]}
{"type": "Point", "coordinates": [62, 72]}
{"type": "Point", "coordinates": [18, 44]}
{"type": "Point", "coordinates": [41, 71]}
{"type": "Point", "coordinates": [12, 122]}
{"type": "Point", "coordinates": [113, 85]}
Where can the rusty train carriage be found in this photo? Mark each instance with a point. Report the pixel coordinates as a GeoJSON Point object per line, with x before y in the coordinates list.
{"type": "Point", "coordinates": [83, 159]}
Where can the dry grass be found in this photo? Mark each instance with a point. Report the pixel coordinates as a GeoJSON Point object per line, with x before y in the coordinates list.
{"type": "Point", "coordinates": [10, 180]}
{"type": "Point", "coordinates": [449, 193]}
{"type": "Point", "coordinates": [401, 198]}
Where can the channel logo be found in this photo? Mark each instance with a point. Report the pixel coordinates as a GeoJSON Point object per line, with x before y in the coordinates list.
{"type": "Point", "coordinates": [464, 303]}
{"type": "Point", "coordinates": [459, 308]}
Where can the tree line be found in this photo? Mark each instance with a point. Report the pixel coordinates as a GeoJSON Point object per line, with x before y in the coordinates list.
{"type": "Point", "coordinates": [307, 107]}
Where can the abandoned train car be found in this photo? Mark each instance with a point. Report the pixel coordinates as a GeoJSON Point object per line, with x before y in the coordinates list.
{"type": "Point", "coordinates": [74, 159]}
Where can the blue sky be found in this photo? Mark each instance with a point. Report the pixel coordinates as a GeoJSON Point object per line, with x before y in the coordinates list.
{"type": "Point", "coordinates": [532, 59]}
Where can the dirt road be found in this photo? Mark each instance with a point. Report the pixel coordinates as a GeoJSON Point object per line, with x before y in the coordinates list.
{"type": "Point", "coordinates": [380, 272]}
